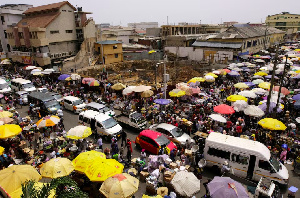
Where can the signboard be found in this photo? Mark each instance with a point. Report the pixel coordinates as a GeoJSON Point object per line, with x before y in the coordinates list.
{"type": "Point", "coordinates": [26, 60]}
{"type": "Point", "coordinates": [243, 53]}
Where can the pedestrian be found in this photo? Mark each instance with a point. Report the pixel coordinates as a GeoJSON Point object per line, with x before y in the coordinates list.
{"type": "Point", "coordinates": [124, 137]}
{"type": "Point", "coordinates": [100, 143]}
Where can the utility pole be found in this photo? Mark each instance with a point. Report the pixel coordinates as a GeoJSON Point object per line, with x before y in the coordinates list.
{"type": "Point", "coordinates": [281, 80]}
{"type": "Point", "coordinates": [165, 77]}
{"type": "Point", "coordinates": [272, 80]}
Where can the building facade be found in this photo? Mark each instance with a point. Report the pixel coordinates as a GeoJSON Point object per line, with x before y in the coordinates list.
{"type": "Point", "coordinates": [48, 34]}
{"type": "Point", "coordinates": [284, 21]}
{"type": "Point", "coordinates": [112, 51]}
{"type": "Point", "coordinates": [10, 14]}
{"type": "Point", "coordinates": [143, 25]}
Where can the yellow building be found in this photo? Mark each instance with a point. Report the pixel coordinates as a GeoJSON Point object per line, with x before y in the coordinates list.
{"type": "Point", "coordinates": [112, 51]}
{"type": "Point", "coordinates": [284, 21]}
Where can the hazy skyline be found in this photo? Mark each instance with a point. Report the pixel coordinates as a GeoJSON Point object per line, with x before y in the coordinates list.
{"type": "Point", "coordinates": [121, 12]}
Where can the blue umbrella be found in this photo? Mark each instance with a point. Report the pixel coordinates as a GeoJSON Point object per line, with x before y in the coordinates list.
{"type": "Point", "coordinates": [270, 76]}
{"type": "Point", "coordinates": [271, 108]}
{"type": "Point", "coordinates": [224, 187]}
{"type": "Point", "coordinates": [63, 76]}
{"type": "Point", "coordinates": [296, 97]}
{"type": "Point", "coordinates": [250, 84]}
{"type": "Point", "coordinates": [162, 101]}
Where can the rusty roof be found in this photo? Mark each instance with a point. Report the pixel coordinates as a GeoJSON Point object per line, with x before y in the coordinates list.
{"type": "Point", "coordinates": [48, 7]}
{"type": "Point", "coordinates": [42, 20]}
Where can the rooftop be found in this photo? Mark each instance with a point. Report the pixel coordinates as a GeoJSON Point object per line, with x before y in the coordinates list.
{"type": "Point", "coordinates": [108, 42]}
{"type": "Point", "coordinates": [42, 20]}
{"type": "Point", "coordinates": [48, 7]}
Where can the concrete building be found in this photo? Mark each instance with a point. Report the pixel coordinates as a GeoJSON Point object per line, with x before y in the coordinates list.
{"type": "Point", "coordinates": [143, 25]}
{"type": "Point", "coordinates": [112, 51]}
{"type": "Point", "coordinates": [49, 34]}
{"type": "Point", "coordinates": [284, 21]}
{"type": "Point", "coordinates": [10, 14]}
{"type": "Point", "coordinates": [153, 32]}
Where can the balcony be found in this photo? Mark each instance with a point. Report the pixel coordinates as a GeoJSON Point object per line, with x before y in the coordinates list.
{"type": "Point", "coordinates": [11, 42]}
{"type": "Point", "coordinates": [39, 42]}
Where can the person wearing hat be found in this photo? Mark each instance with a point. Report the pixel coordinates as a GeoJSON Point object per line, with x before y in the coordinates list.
{"type": "Point", "coordinates": [143, 155]}
{"type": "Point", "coordinates": [225, 168]}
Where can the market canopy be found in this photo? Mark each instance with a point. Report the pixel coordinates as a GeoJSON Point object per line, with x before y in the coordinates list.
{"type": "Point", "coordinates": [83, 160]}
{"type": "Point", "coordinates": [9, 130]}
{"type": "Point", "coordinates": [57, 167]}
{"type": "Point", "coordinates": [176, 93]}
{"type": "Point", "coordinates": [224, 109]}
{"type": "Point", "coordinates": [272, 124]}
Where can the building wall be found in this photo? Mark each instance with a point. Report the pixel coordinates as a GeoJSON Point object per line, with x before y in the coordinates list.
{"type": "Point", "coordinates": [90, 30]}
{"type": "Point", "coordinates": [143, 55]}
{"type": "Point", "coordinates": [110, 53]}
{"type": "Point", "coordinates": [190, 52]}
{"type": "Point", "coordinates": [62, 47]}
{"type": "Point", "coordinates": [284, 21]}
{"type": "Point", "coordinates": [65, 21]}
{"type": "Point", "coordinates": [154, 32]}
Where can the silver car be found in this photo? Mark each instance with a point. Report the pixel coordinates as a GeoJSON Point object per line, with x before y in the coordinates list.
{"type": "Point", "coordinates": [172, 132]}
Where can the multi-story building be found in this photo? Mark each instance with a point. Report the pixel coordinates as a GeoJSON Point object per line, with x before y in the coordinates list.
{"type": "Point", "coordinates": [284, 21]}
{"type": "Point", "coordinates": [10, 14]}
{"type": "Point", "coordinates": [48, 34]}
{"type": "Point", "coordinates": [112, 51]}
{"type": "Point", "coordinates": [143, 25]}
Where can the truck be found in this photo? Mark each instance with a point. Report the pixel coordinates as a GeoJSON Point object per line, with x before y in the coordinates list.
{"type": "Point", "coordinates": [134, 120]}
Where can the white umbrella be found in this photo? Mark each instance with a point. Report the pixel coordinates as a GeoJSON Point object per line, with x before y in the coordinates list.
{"type": "Point", "coordinates": [75, 77]}
{"type": "Point", "coordinates": [237, 69]}
{"type": "Point", "coordinates": [247, 94]}
{"type": "Point", "coordinates": [240, 65]}
{"type": "Point", "coordinates": [5, 62]}
{"type": "Point", "coordinates": [218, 118]}
{"type": "Point", "coordinates": [128, 90]}
{"type": "Point", "coordinates": [257, 81]}
{"type": "Point", "coordinates": [257, 76]}
{"type": "Point", "coordinates": [298, 119]}
{"type": "Point", "coordinates": [186, 183]}
{"type": "Point", "coordinates": [253, 110]}
{"type": "Point", "coordinates": [48, 71]}
{"type": "Point", "coordinates": [30, 67]}
{"type": "Point", "coordinates": [141, 88]}
{"type": "Point", "coordinates": [259, 91]}
{"type": "Point", "coordinates": [251, 65]}
{"type": "Point", "coordinates": [259, 61]}
{"type": "Point", "coordinates": [239, 105]}
{"type": "Point", "coordinates": [35, 70]}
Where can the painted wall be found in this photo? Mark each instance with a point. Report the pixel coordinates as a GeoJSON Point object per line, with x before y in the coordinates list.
{"type": "Point", "coordinates": [143, 56]}
{"type": "Point", "coordinates": [190, 52]}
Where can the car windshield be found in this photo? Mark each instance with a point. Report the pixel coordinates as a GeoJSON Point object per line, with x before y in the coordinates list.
{"type": "Point", "coordinates": [77, 102]}
{"type": "Point", "coordinates": [28, 85]}
{"type": "Point", "coordinates": [162, 141]}
{"type": "Point", "coordinates": [51, 103]}
{"type": "Point", "coordinates": [177, 132]}
{"type": "Point", "coordinates": [275, 163]}
{"type": "Point", "coordinates": [44, 90]}
{"type": "Point", "coordinates": [4, 86]}
{"type": "Point", "coordinates": [109, 123]}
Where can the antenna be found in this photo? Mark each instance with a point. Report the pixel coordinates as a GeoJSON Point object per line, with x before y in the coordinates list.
{"type": "Point", "coordinates": [167, 20]}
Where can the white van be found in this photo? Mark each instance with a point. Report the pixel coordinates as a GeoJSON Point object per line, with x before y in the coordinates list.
{"type": "Point", "coordinates": [4, 87]}
{"type": "Point", "coordinates": [100, 108]}
{"type": "Point", "coordinates": [20, 84]}
{"type": "Point", "coordinates": [248, 159]}
{"type": "Point", "coordinates": [73, 104]}
{"type": "Point", "coordinates": [104, 125]}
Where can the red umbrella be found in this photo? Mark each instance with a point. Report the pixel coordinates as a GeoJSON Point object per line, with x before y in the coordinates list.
{"type": "Point", "coordinates": [87, 80]}
{"type": "Point", "coordinates": [284, 90]}
{"type": "Point", "coordinates": [224, 109]}
{"type": "Point", "coordinates": [226, 70]}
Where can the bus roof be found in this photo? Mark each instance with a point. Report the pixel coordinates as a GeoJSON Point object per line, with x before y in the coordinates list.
{"type": "Point", "coordinates": [238, 144]}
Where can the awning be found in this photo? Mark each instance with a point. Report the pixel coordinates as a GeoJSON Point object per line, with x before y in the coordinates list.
{"type": "Point", "coordinates": [217, 45]}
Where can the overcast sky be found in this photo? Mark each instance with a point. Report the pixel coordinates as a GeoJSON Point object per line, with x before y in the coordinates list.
{"type": "Point", "coordinates": [121, 12]}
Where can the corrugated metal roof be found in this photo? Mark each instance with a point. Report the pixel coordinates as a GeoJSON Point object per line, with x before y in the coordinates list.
{"type": "Point", "coordinates": [217, 44]}
{"type": "Point", "coordinates": [108, 42]}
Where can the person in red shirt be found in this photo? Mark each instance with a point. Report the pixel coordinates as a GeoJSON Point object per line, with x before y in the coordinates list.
{"type": "Point", "coordinates": [228, 125]}
{"type": "Point", "coordinates": [239, 129]}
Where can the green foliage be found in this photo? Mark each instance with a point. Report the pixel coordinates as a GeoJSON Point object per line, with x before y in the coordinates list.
{"type": "Point", "coordinates": [65, 188]}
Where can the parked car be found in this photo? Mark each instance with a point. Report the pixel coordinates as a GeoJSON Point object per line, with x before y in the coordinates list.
{"type": "Point", "coordinates": [73, 104]}
{"type": "Point", "coordinates": [172, 132]}
{"type": "Point", "coordinates": [57, 96]}
{"type": "Point", "coordinates": [42, 90]}
{"type": "Point", "coordinates": [101, 108]}
{"type": "Point", "coordinates": [152, 141]}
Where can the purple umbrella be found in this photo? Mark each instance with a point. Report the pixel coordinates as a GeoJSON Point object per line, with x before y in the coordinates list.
{"type": "Point", "coordinates": [162, 101]}
{"type": "Point", "coordinates": [233, 73]}
{"type": "Point", "coordinates": [271, 108]}
{"type": "Point", "coordinates": [270, 76]}
{"type": "Point", "coordinates": [224, 187]}
{"type": "Point", "coordinates": [298, 76]}
{"type": "Point", "coordinates": [250, 84]}
{"type": "Point", "coordinates": [296, 97]}
{"type": "Point", "coordinates": [63, 76]}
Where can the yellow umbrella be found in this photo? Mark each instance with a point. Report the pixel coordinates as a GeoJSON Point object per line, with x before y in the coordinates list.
{"type": "Point", "coordinates": [83, 160]}
{"type": "Point", "coordinates": [176, 93]}
{"type": "Point", "coordinates": [17, 193]}
{"type": "Point", "coordinates": [9, 130]}
{"type": "Point", "coordinates": [196, 79]}
{"type": "Point", "coordinates": [68, 79]}
{"type": "Point", "coordinates": [264, 85]}
{"type": "Point", "coordinates": [241, 86]}
{"type": "Point", "coordinates": [118, 86]}
{"type": "Point", "coordinates": [234, 98]}
{"type": "Point", "coordinates": [12, 177]}
{"type": "Point", "coordinates": [79, 132]}
{"type": "Point", "coordinates": [260, 74]}
{"type": "Point", "coordinates": [147, 94]}
{"type": "Point", "coordinates": [119, 185]}
{"type": "Point", "coordinates": [1, 150]}
{"type": "Point", "coordinates": [57, 167]}
{"type": "Point", "coordinates": [272, 124]}
{"type": "Point", "coordinates": [101, 169]}
{"type": "Point", "coordinates": [212, 74]}
{"type": "Point", "coordinates": [298, 71]}
{"type": "Point", "coordinates": [4, 114]}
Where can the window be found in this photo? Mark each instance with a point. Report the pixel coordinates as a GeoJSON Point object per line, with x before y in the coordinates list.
{"type": "Point", "coordinates": [264, 165]}
{"type": "Point", "coordinates": [115, 47]}
{"type": "Point", "coordinates": [240, 159]}
{"type": "Point", "coordinates": [99, 124]}
{"type": "Point", "coordinates": [80, 117]}
{"type": "Point", "coordinates": [219, 153]}
{"type": "Point", "coordinates": [69, 31]}
{"type": "Point", "coordinates": [54, 32]}
{"type": "Point", "coordinates": [153, 143]}
{"type": "Point", "coordinates": [2, 20]}
{"type": "Point", "coordinates": [116, 55]}
{"type": "Point", "coordinates": [20, 35]}
{"type": "Point", "coordinates": [69, 10]}
{"type": "Point", "coordinates": [144, 138]}
{"type": "Point", "coordinates": [5, 34]}
{"type": "Point", "coordinates": [63, 10]}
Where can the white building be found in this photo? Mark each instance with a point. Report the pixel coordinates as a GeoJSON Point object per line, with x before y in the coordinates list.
{"type": "Point", "coordinates": [143, 25]}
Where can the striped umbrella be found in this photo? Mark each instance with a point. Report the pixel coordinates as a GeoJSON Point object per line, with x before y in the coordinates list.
{"type": "Point", "coordinates": [94, 83]}
{"type": "Point", "coordinates": [48, 121]}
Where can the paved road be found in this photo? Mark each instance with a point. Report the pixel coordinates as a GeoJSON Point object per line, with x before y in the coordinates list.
{"type": "Point", "coordinates": [71, 120]}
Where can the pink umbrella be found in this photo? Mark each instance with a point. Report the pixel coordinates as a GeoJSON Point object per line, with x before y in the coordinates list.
{"type": "Point", "coordinates": [87, 80]}
{"type": "Point", "coordinates": [196, 90]}
{"type": "Point", "coordinates": [284, 90]}
{"type": "Point", "coordinates": [224, 109]}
